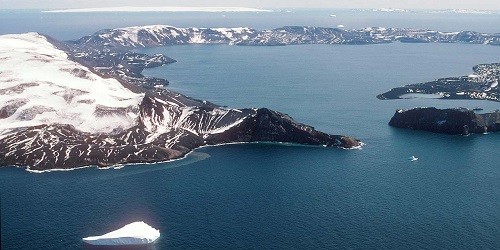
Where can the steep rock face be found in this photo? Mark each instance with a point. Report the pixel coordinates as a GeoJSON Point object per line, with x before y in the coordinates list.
{"type": "Point", "coordinates": [448, 121]}
{"type": "Point", "coordinates": [268, 125]}
{"type": "Point", "coordinates": [165, 131]}
{"type": "Point", "coordinates": [160, 35]}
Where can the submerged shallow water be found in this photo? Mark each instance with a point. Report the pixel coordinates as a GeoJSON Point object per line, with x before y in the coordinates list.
{"type": "Point", "coordinates": [269, 196]}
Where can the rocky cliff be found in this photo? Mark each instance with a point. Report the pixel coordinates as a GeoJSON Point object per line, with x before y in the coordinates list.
{"type": "Point", "coordinates": [448, 121]}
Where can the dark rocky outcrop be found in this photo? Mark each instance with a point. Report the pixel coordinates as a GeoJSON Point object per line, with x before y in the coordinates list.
{"type": "Point", "coordinates": [62, 146]}
{"type": "Point", "coordinates": [457, 121]}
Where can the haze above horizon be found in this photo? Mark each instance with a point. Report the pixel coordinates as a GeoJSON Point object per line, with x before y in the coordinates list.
{"type": "Point", "coordinates": [261, 4]}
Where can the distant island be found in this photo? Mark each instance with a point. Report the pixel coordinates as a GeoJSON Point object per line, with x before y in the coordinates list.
{"type": "Point", "coordinates": [64, 107]}
{"type": "Point", "coordinates": [481, 85]}
{"type": "Point", "coordinates": [457, 121]}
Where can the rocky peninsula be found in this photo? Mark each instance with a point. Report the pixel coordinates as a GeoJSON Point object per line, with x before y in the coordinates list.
{"type": "Point", "coordinates": [481, 85]}
{"type": "Point", "coordinates": [65, 106]}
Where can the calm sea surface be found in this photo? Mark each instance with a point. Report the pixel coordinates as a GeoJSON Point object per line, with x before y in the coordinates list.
{"type": "Point", "coordinates": [268, 196]}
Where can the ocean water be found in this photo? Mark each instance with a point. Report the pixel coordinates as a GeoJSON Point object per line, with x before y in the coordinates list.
{"type": "Point", "coordinates": [265, 196]}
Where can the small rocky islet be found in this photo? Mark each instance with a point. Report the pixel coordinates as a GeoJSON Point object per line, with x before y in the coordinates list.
{"type": "Point", "coordinates": [456, 121]}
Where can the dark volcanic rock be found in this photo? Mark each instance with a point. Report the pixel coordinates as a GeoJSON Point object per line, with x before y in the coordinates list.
{"type": "Point", "coordinates": [62, 146]}
{"type": "Point", "coordinates": [272, 126]}
{"type": "Point", "coordinates": [448, 121]}
{"type": "Point", "coordinates": [182, 130]}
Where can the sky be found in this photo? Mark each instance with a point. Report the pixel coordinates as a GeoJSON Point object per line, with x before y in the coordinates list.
{"type": "Point", "coordinates": [272, 4]}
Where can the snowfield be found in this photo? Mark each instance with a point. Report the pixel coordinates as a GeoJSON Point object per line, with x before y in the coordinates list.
{"type": "Point", "coordinates": [40, 85]}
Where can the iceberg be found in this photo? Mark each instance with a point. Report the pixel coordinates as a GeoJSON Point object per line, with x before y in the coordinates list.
{"type": "Point", "coordinates": [136, 233]}
{"type": "Point", "coordinates": [412, 158]}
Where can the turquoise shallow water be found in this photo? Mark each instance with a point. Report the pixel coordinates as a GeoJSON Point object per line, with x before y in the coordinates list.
{"type": "Point", "coordinates": [269, 196]}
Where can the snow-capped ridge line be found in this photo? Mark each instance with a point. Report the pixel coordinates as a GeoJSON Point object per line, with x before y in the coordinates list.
{"type": "Point", "coordinates": [161, 35]}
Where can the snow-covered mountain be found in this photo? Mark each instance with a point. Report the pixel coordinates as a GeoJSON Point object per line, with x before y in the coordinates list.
{"type": "Point", "coordinates": [40, 85]}
{"type": "Point", "coordinates": [61, 107]}
{"type": "Point", "coordinates": [159, 35]}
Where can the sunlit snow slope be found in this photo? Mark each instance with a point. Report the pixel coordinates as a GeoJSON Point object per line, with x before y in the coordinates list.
{"type": "Point", "coordinates": [40, 85]}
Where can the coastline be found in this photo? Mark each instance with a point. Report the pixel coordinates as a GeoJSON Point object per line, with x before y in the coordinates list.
{"type": "Point", "coordinates": [122, 165]}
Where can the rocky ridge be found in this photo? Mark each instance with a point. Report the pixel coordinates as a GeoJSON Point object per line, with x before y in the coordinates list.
{"type": "Point", "coordinates": [161, 35]}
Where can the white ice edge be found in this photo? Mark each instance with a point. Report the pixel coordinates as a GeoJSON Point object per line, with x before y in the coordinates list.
{"type": "Point", "coordinates": [136, 233]}
{"type": "Point", "coordinates": [122, 165]}
{"type": "Point", "coordinates": [159, 9]}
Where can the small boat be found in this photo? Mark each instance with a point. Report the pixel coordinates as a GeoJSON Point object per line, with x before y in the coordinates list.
{"type": "Point", "coordinates": [412, 158]}
{"type": "Point", "coordinates": [133, 234]}
{"type": "Point", "coordinates": [477, 109]}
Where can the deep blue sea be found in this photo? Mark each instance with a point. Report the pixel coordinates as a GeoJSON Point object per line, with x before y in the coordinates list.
{"type": "Point", "coordinates": [264, 196]}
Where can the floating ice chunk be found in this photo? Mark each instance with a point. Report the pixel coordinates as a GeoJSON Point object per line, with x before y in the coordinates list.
{"type": "Point", "coordinates": [136, 233]}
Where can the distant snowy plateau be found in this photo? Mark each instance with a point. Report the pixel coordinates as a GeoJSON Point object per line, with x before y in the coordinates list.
{"type": "Point", "coordinates": [65, 105]}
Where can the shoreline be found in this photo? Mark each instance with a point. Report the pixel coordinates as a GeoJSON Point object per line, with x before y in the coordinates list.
{"type": "Point", "coordinates": [122, 165]}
